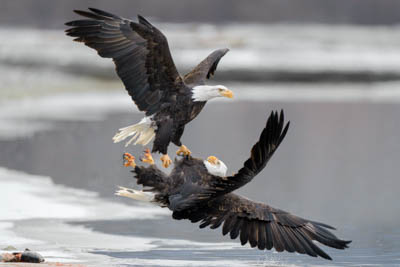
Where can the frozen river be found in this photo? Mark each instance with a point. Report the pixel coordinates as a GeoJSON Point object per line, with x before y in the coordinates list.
{"type": "Point", "coordinates": [339, 163]}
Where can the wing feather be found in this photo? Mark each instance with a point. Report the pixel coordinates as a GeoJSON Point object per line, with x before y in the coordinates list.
{"type": "Point", "coordinates": [262, 240]}
{"type": "Point", "coordinates": [205, 69]}
{"type": "Point", "coordinates": [263, 226]}
{"type": "Point", "coordinates": [234, 233]}
{"type": "Point", "coordinates": [244, 233]}
{"type": "Point", "coordinates": [151, 177]}
{"type": "Point", "coordinates": [270, 139]}
{"type": "Point", "coordinates": [253, 233]}
{"type": "Point", "coordinates": [140, 52]}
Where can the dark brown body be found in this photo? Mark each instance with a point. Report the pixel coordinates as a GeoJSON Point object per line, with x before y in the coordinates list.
{"type": "Point", "coordinates": [188, 177]}
{"type": "Point", "coordinates": [172, 120]}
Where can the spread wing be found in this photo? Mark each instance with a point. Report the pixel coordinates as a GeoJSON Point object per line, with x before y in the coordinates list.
{"type": "Point", "coordinates": [263, 226]}
{"type": "Point", "coordinates": [213, 186]}
{"type": "Point", "coordinates": [270, 139]}
{"type": "Point", "coordinates": [206, 68]}
{"type": "Point", "coordinates": [140, 52]}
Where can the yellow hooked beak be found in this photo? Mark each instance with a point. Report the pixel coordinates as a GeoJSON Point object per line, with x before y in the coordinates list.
{"type": "Point", "coordinates": [226, 93]}
{"type": "Point", "coordinates": [213, 160]}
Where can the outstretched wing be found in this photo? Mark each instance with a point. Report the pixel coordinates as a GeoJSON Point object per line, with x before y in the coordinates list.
{"type": "Point", "coordinates": [206, 68]}
{"type": "Point", "coordinates": [263, 226]}
{"type": "Point", "coordinates": [270, 139]}
{"type": "Point", "coordinates": [140, 52]}
{"type": "Point", "coordinates": [213, 186]}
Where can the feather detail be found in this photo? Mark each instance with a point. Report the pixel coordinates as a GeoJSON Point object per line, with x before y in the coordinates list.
{"type": "Point", "coordinates": [143, 132]}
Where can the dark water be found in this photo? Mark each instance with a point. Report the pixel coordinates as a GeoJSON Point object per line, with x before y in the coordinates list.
{"type": "Point", "coordinates": [338, 164]}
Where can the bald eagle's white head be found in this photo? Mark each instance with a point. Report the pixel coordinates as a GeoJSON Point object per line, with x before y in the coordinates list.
{"type": "Point", "coordinates": [207, 92]}
{"type": "Point", "coordinates": [215, 166]}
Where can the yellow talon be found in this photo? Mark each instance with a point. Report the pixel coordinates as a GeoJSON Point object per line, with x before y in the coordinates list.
{"type": "Point", "coordinates": [183, 151]}
{"type": "Point", "coordinates": [129, 160]}
{"type": "Point", "coordinates": [147, 158]}
{"type": "Point", "coordinates": [166, 161]}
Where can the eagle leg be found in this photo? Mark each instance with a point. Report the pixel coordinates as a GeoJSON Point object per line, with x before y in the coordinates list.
{"type": "Point", "coordinates": [166, 160]}
{"type": "Point", "coordinates": [147, 158]}
{"type": "Point", "coordinates": [183, 151]}
{"type": "Point", "coordinates": [129, 160]}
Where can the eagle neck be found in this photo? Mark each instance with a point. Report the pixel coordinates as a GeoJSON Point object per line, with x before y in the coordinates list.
{"type": "Point", "coordinates": [203, 93]}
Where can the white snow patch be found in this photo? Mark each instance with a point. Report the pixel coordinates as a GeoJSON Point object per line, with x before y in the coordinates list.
{"type": "Point", "coordinates": [27, 196]}
{"type": "Point", "coordinates": [78, 237]}
{"type": "Point", "coordinates": [34, 212]}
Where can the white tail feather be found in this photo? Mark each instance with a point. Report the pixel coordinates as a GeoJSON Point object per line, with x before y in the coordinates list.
{"type": "Point", "coordinates": [143, 132]}
{"type": "Point", "coordinates": [135, 194]}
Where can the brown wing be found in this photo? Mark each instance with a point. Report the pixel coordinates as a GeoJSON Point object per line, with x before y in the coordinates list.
{"type": "Point", "coordinates": [140, 52]}
{"type": "Point", "coordinates": [270, 139]}
{"type": "Point", "coordinates": [263, 226]}
{"type": "Point", "coordinates": [206, 68]}
{"type": "Point", "coordinates": [213, 186]}
{"type": "Point", "coordinates": [151, 177]}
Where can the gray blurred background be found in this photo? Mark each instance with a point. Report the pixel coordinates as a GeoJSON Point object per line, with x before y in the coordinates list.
{"type": "Point", "coordinates": [333, 66]}
{"type": "Point", "coordinates": [52, 14]}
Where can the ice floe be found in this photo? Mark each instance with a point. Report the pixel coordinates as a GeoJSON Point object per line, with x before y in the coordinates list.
{"type": "Point", "coordinates": [26, 196]}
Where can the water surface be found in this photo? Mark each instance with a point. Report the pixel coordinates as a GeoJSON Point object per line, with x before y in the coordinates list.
{"type": "Point", "coordinates": [338, 165]}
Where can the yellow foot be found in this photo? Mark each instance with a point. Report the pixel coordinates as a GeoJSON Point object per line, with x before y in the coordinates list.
{"type": "Point", "coordinates": [166, 161]}
{"type": "Point", "coordinates": [147, 157]}
{"type": "Point", "coordinates": [129, 160]}
{"type": "Point", "coordinates": [183, 151]}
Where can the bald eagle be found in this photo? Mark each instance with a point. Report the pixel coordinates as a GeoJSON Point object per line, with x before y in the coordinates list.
{"type": "Point", "coordinates": [144, 63]}
{"type": "Point", "coordinates": [200, 191]}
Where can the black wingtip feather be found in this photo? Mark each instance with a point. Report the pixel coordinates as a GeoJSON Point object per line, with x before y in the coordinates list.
{"type": "Point", "coordinates": [269, 141]}
{"type": "Point", "coordinates": [323, 225]}
{"type": "Point", "coordinates": [82, 23]}
{"type": "Point", "coordinates": [144, 21]}
{"type": "Point", "coordinates": [100, 15]}
{"type": "Point", "coordinates": [103, 13]}
{"type": "Point", "coordinates": [283, 134]}
{"type": "Point", "coordinates": [87, 14]}
{"type": "Point", "coordinates": [81, 12]}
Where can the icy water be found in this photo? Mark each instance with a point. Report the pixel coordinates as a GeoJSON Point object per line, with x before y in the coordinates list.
{"type": "Point", "coordinates": [339, 164]}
